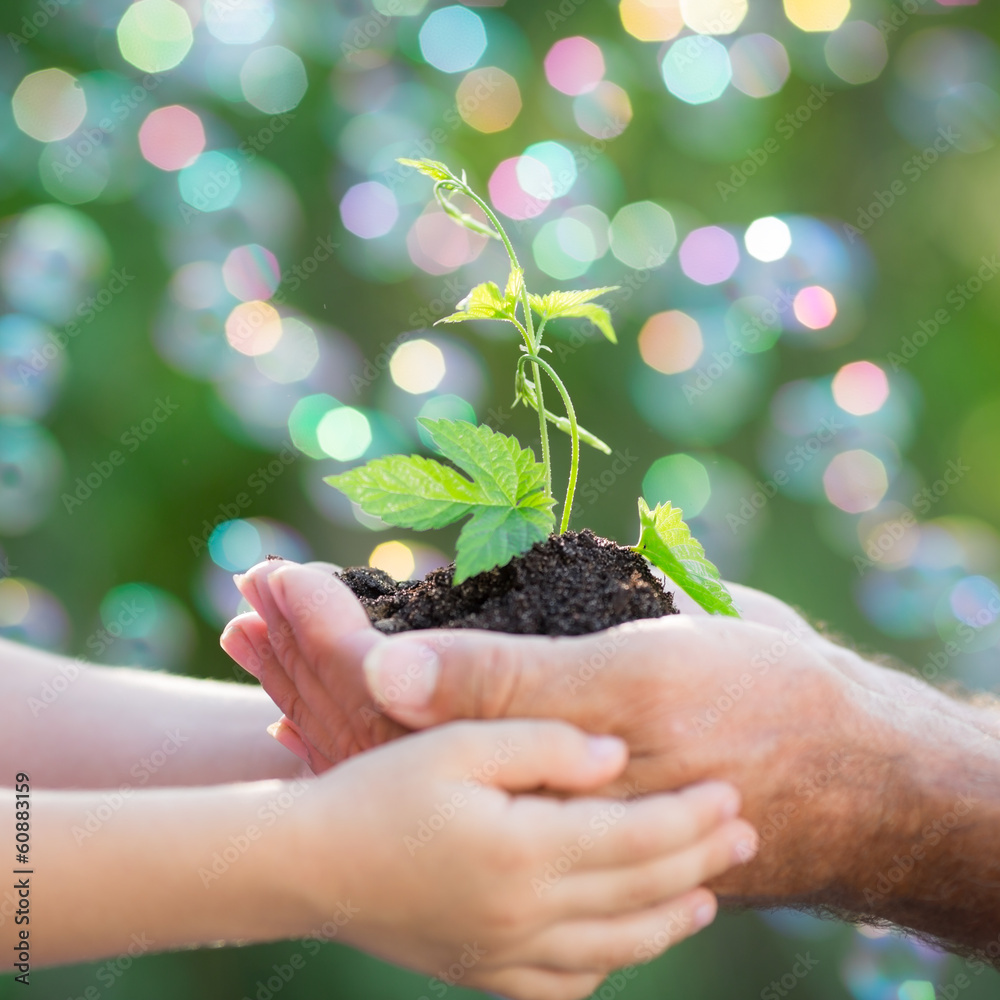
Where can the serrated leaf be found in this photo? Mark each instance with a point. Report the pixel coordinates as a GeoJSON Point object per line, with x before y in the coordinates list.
{"type": "Point", "coordinates": [504, 493]}
{"type": "Point", "coordinates": [431, 168]}
{"type": "Point", "coordinates": [515, 285]}
{"type": "Point", "coordinates": [668, 543]}
{"type": "Point", "coordinates": [486, 301]}
{"type": "Point", "coordinates": [408, 491]}
{"type": "Point", "coordinates": [576, 305]}
{"type": "Point", "coordinates": [489, 538]}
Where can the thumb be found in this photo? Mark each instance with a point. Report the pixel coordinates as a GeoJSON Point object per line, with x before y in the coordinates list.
{"type": "Point", "coordinates": [422, 680]}
{"type": "Point", "coordinates": [527, 755]}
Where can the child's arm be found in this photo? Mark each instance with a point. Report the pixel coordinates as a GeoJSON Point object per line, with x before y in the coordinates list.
{"type": "Point", "coordinates": [417, 852]}
{"type": "Point", "coordinates": [74, 725]}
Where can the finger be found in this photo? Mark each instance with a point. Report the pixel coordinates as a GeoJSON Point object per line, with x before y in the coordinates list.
{"type": "Point", "coordinates": [521, 755]}
{"type": "Point", "coordinates": [609, 833]}
{"type": "Point", "coordinates": [251, 585]}
{"type": "Point", "coordinates": [246, 641]}
{"type": "Point", "coordinates": [320, 633]}
{"type": "Point", "coordinates": [612, 892]}
{"type": "Point", "coordinates": [288, 735]}
{"type": "Point", "coordinates": [314, 607]}
{"type": "Point", "coordinates": [524, 983]}
{"type": "Point", "coordinates": [425, 679]}
{"type": "Point", "coordinates": [603, 945]}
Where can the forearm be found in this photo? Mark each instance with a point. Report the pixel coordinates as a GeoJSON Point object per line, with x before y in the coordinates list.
{"type": "Point", "coordinates": [934, 865]}
{"type": "Point", "coordinates": [906, 832]}
{"type": "Point", "coordinates": [73, 725]}
{"type": "Point", "coordinates": [156, 870]}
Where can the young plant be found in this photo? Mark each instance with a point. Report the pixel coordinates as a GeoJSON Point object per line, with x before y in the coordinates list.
{"type": "Point", "coordinates": [506, 492]}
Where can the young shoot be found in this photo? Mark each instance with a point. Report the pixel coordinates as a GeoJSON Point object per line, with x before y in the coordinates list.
{"type": "Point", "coordinates": [506, 494]}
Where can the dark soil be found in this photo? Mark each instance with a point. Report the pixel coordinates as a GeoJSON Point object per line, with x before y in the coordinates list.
{"type": "Point", "coordinates": [569, 584]}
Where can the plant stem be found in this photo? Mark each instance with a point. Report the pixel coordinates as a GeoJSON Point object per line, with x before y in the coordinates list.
{"type": "Point", "coordinates": [532, 344]}
{"type": "Point", "coordinates": [574, 464]}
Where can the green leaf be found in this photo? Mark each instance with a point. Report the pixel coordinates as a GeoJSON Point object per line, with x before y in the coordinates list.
{"type": "Point", "coordinates": [504, 493]}
{"type": "Point", "coordinates": [576, 305]}
{"type": "Point", "coordinates": [495, 535]}
{"type": "Point", "coordinates": [434, 169]}
{"type": "Point", "coordinates": [408, 490]}
{"type": "Point", "coordinates": [515, 285]}
{"type": "Point", "coordinates": [668, 543]}
{"type": "Point", "coordinates": [486, 301]}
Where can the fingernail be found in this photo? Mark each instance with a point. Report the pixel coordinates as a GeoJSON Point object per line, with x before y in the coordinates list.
{"type": "Point", "coordinates": [705, 914]}
{"type": "Point", "coordinates": [235, 642]}
{"type": "Point", "coordinates": [248, 588]}
{"type": "Point", "coordinates": [287, 736]}
{"type": "Point", "coordinates": [604, 748]}
{"type": "Point", "coordinates": [402, 674]}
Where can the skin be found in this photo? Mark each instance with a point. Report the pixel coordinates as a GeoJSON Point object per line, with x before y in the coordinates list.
{"type": "Point", "coordinates": [876, 796]}
{"type": "Point", "coordinates": [430, 851]}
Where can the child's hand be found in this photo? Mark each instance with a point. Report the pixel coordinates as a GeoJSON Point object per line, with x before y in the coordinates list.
{"type": "Point", "coordinates": [329, 714]}
{"type": "Point", "coordinates": [525, 895]}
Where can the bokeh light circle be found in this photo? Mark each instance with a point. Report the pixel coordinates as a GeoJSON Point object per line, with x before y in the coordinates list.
{"type": "Point", "coordinates": [696, 69]}
{"type": "Point", "coordinates": [680, 479]}
{"type": "Point", "coordinates": [574, 65]}
{"type": "Point", "coordinates": [239, 22]}
{"type": "Point", "coordinates": [488, 99]}
{"type": "Point", "coordinates": [651, 20]}
{"type": "Point", "coordinates": [49, 105]}
{"type": "Point", "coordinates": [768, 239]}
{"type": "Point", "coordinates": [507, 194]}
{"type": "Point", "coordinates": [344, 434]}
{"type": "Point", "coordinates": [857, 52]}
{"type": "Point", "coordinates": [452, 39]}
{"type": "Point", "coordinates": [604, 112]}
{"type": "Point", "coordinates": [417, 366]}
{"type": "Point", "coordinates": [172, 138]}
{"type": "Point", "coordinates": [709, 255]}
{"type": "Point", "coordinates": [855, 481]}
{"type": "Point", "coordinates": [394, 558]}
{"type": "Point", "coordinates": [817, 15]}
{"type": "Point", "coordinates": [155, 35]}
{"type": "Point", "coordinates": [713, 17]}
{"type": "Point", "coordinates": [253, 328]}
{"type": "Point", "coordinates": [369, 210]}
{"type": "Point", "coordinates": [815, 307]}
{"type": "Point", "coordinates": [251, 272]}
{"type": "Point", "coordinates": [760, 65]}
{"type": "Point", "coordinates": [273, 79]}
{"type": "Point", "coordinates": [211, 183]}
{"type": "Point", "coordinates": [671, 342]}
{"type": "Point", "coordinates": [860, 388]}
{"type": "Point", "coordinates": [643, 235]}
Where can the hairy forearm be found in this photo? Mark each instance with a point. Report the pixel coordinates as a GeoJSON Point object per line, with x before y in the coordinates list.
{"type": "Point", "coordinates": [73, 725]}
{"type": "Point", "coordinates": [154, 871]}
{"type": "Point", "coordinates": [903, 827]}
{"type": "Point", "coordinates": [934, 865]}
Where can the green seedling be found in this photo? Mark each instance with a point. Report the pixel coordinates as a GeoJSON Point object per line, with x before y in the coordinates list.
{"type": "Point", "coordinates": [505, 491]}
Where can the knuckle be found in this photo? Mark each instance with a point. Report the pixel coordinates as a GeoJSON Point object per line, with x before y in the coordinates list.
{"type": "Point", "coordinates": [502, 681]}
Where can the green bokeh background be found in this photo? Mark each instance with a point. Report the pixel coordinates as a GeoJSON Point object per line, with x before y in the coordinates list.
{"type": "Point", "coordinates": [138, 528]}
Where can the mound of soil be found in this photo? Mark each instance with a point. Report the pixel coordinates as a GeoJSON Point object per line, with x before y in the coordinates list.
{"type": "Point", "coordinates": [570, 584]}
